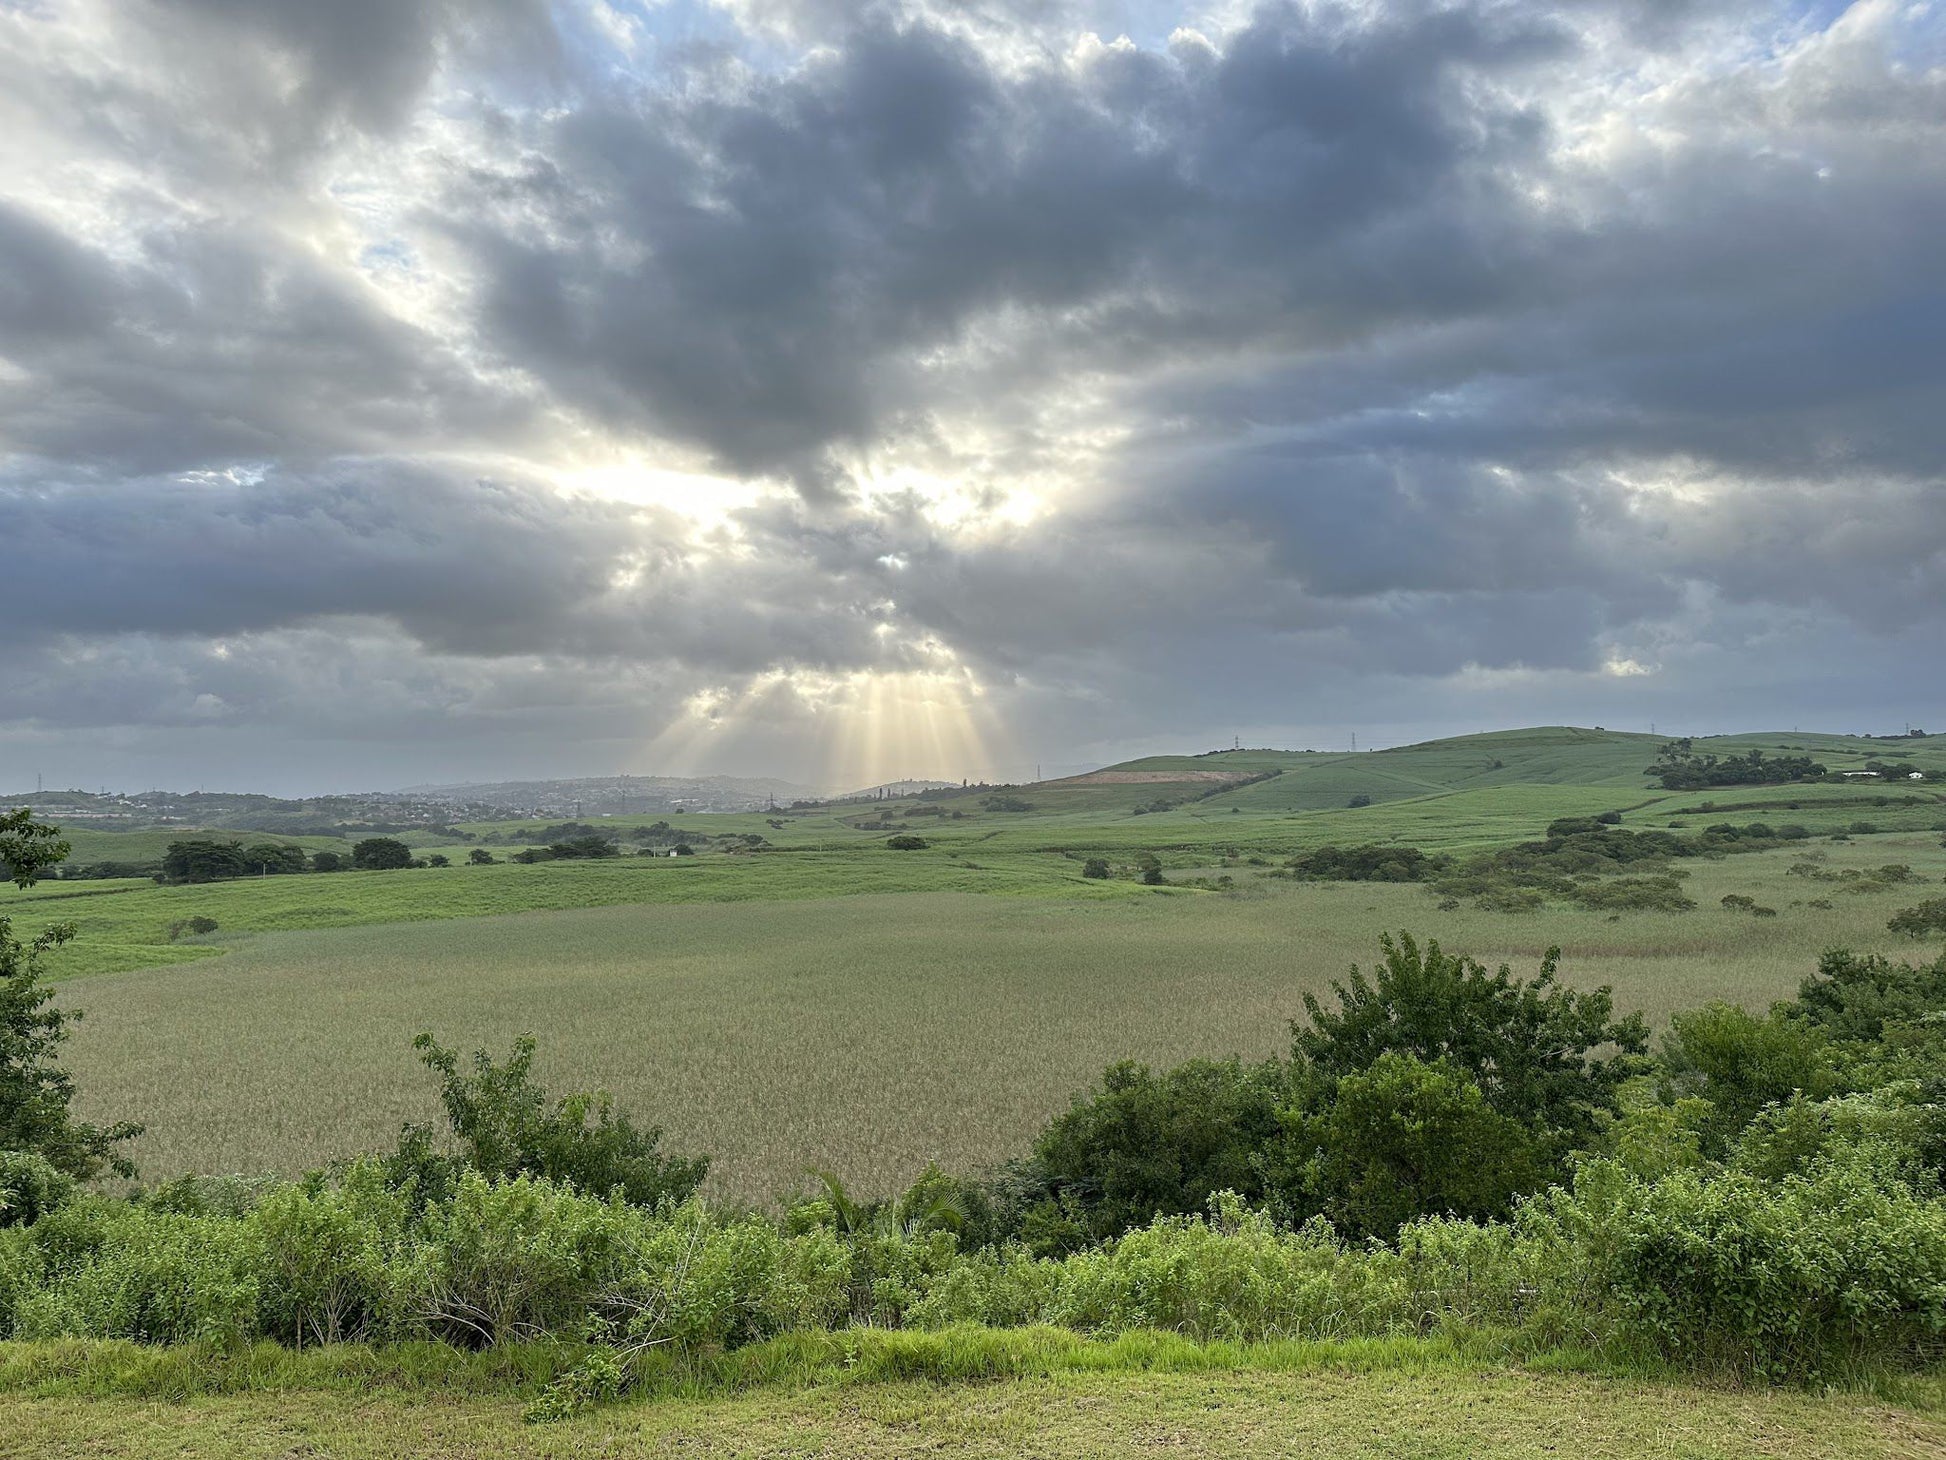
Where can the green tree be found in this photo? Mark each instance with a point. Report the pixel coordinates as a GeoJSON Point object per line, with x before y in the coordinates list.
{"type": "Point", "coordinates": [273, 858]}
{"type": "Point", "coordinates": [1145, 1145]}
{"type": "Point", "coordinates": [1916, 922]}
{"type": "Point", "coordinates": [36, 1095]}
{"type": "Point", "coordinates": [1403, 1139]}
{"type": "Point", "coordinates": [28, 847]}
{"type": "Point", "coordinates": [1095, 867]}
{"type": "Point", "coordinates": [199, 859]}
{"type": "Point", "coordinates": [481, 857]}
{"type": "Point", "coordinates": [380, 854]}
{"type": "Point", "coordinates": [326, 862]}
{"type": "Point", "coordinates": [508, 1127]}
{"type": "Point", "coordinates": [1550, 1057]}
{"type": "Point", "coordinates": [1857, 996]}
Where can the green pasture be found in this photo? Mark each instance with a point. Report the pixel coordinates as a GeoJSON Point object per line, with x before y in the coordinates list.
{"type": "Point", "coordinates": [867, 1033]}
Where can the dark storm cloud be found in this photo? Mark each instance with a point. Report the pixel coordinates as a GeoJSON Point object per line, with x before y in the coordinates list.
{"type": "Point", "coordinates": [794, 241]}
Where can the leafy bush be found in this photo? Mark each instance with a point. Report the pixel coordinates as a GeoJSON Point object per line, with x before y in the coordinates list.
{"type": "Point", "coordinates": [1095, 867]}
{"type": "Point", "coordinates": [1006, 803]}
{"type": "Point", "coordinates": [1547, 1056]}
{"type": "Point", "coordinates": [1146, 1144]}
{"type": "Point", "coordinates": [1915, 922]}
{"type": "Point", "coordinates": [1404, 1139]}
{"type": "Point", "coordinates": [1740, 1063]}
{"type": "Point", "coordinates": [1857, 997]}
{"type": "Point", "coordinates": [1809, 1276]}
{"type": "Point", "coordinates": [1370, 863]}
{"type": "Point", "coordinates": [1633, 894]}
{"type": "Point", "coordinates": [505, 1124]}
{"type": "Point", "coordinates": [31, 1186]}
{"type": "Point", "coordinates": [906, 842]}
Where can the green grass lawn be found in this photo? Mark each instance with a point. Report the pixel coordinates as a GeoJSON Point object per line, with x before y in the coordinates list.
{"type": "Point", "coordinates": [867, 1033]}
{"type": "Point", "coordinates": [1325, 1412]}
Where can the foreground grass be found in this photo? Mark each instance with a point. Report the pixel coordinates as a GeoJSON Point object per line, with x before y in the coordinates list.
{"type": "Point", "coordinates": [967, 1393]}
{"type": "Point", "coordinates": [868, 1034]}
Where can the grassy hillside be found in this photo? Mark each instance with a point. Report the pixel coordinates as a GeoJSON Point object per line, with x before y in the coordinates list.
{"type": "Point", "coordinates": [1454, 795]}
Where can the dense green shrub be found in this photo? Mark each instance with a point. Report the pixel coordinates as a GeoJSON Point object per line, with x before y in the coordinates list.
{"type": "Point", "coordinates": [1801, 1135]}
{"type": "Point", "coordinates": [1378, 863]}
{"type": "Point", "coordinates": [507, 1127]}
{"type": "Point", "coordinates": [906, 842]}
{"type": "Point", "coordinates": [1633, 894]}
{"type": "Point", "coordinates": [31, 1186]}
{"type": "Point", "coordinates": [1740, 1063]}
{"type": "Point", "coordinates": [1812, 1275]}
{"type": "Point", "coordinates": [1145, 1145]}
{"type": "Point", "coordinates": [1857, 996]}
{"type": "Point", "coordinates": [1550, 1057]}
{"type": "Point", "coordinates": [1404, 1139]}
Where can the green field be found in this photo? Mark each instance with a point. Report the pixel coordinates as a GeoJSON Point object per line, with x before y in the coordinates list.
{"type": "Point", "coordinates": [1326, 1415]}
{"type": "Point", "coordinates": [831, 1002]}
{"type": "Point", "coordinates": [866, 1033]}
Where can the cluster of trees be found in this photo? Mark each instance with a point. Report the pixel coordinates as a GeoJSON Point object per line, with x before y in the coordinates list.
{"type": "Point", "coordinates": [1577, 856]}
{"type": "Point", "coordinates": [1428, 1085]}
{"type": "Point", "coordinates": [1679, 768]}
{"type": "Point", "coordinates": [1369, 863]}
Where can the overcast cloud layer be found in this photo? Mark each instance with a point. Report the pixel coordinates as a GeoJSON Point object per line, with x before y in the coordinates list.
{"type": "Point", "coordinates": [405, 390]}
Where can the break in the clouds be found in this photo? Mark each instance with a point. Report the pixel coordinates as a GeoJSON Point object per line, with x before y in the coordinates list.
{"type": "Point", "coordinates": [416, 389]}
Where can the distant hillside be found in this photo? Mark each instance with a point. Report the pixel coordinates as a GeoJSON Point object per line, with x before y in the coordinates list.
{"type": "Point", "coordinates": [621, 795]}
{"type": "Point", "coordinates": [897, 788]}
{"type": "Point", "coordinates": [1278, 781]}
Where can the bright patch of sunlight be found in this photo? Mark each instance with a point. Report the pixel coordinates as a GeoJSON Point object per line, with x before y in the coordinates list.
{"type": "Point", "coordinates": [861, 727]}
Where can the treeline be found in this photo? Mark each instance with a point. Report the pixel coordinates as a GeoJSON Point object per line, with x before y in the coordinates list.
{"type": "Point", "coordinates": [1679, 767]}
{"type": "Point", "coordinates": [1589, 861]}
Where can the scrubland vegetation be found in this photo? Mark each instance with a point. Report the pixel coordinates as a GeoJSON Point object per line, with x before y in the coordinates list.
{"type": "Point", "coordinates": [878, 1114]}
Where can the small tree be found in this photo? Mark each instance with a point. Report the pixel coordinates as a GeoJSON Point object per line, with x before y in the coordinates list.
{"type": "Point", "coordinates": [906, 842]}
{"type": "Point", "coordinates": [326, 862]}
{"type": "Point", "coordinates": [481, 857]}
{"type": "Point", "coordinates": [1917, 922]}
{"type": "Point", "coordinates": [381, 854]}
{"type": "Point", "coordinates": [200, 859]}
{"type": "Point", "coordinates": [1549, 1057]}
{"type": "Point", "coordinates": [28, 847]}
{"type": "Point", "coordinates": [438, 859]}
{"type": "Point", "coordinates": [1146, 1145]}
{"type": "Point", "coordinates": [1095, 867]}
{"type": "Point", "coordinates": [273, 858]}
{"type": "Point", "coordinates": [507, 1127]}
{"type": "Point", "coordinates": [35, 1093]}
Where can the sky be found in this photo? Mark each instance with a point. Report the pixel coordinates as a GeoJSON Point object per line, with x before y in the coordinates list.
{"type": "Point", "coordinates": [407, 391]}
